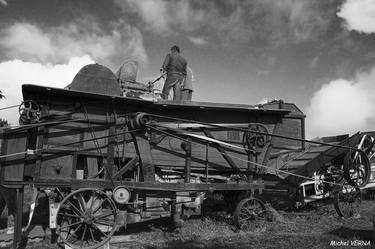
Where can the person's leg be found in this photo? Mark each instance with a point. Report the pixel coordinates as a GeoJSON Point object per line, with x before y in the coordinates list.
{"type": "Point", "coordinates": [169, 83]}
{"type": "Point", "coordinates": [165, 91]}
{"type": "Point", "coordinates": [177, 91]}
{"type": "Point", "coordinates": [189, 95]}
{"type": "Point", "coordinates": [9, 195]}
{"type": "Point", "coordinates": [2, 204]}
{"type": "Point", "coordinates": [186, 95]}
{"type": "Point", "coordinates": [2, 209]}
{"type": "Point", "coordinates": [183, 95]}
{"type": "Point", "coordinates": [178, 88]}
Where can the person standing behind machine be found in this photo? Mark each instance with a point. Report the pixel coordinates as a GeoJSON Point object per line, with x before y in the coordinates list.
{"type": "Point", "coordinates": [175, 67]}
{"type": "Point", "coordinates": [187, 88]}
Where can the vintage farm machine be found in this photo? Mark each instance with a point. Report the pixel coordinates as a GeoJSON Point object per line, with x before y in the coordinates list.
{"type": "Point", "coordinates": [107, 160]}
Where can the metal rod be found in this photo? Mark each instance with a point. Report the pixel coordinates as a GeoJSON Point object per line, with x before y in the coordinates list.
{"type": "Point", "coordinates": [258, 164]}
{"type": "Point", "coordinates": [250, 168]}
{"type": "Point", "coordinates": [206, 163]}
{"type": "Point", "coordinates": [225, 155]}
{"type": "Point", "coordinates": [186, 146]}
{"type": "Point", "coordinates": [256, 132]}
{"type": "Point", "coordinates": [188, 161]}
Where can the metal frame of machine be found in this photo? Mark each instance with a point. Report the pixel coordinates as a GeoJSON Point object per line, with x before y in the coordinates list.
{"type": "Point", "coordinates": [106, 161]}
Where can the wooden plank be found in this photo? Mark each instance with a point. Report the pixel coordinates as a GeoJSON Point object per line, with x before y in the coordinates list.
{"type": "Point", "coordinates": [316, 163]}
{"type": "Point", "coordinates": [18, 218]}
{"type": "Point", "coordinates": [126, 168]}
{"type": "Point", "coordinates": [56, 166]}
{"type": "Point", "coordinates": [68, 151]}
{"type": "Point", "coordinates": [4, 149]}
{"type": "Point", "coordinates": [187, 147]}
{"type": "Point", "coordinates": [303, 156]}
{"type": "Point", "coordinates": [14, 166]}
{"type": "Point", "coordinates": [111, 148]}
{"type": "Point", "coordinates": [220, 106]}
{"type": "Point", "coordinates": [224, 154]}
{"type": "Point", "coordinates": [269, 146]}
{"type": "Point", "coordinates": [145, 156]}
{"type": "Point", "coordinates": [289, 127]}
{"type": "Point", "coordinates": [41, 92]}
{"type": "Point", "coordinates": [92, 165]}
{"type": "Point", "coordinates": [173, 187]}
{"type": "Point", "coordinates": [294, 164]}
{"type": "Point", "coordinates": [40, 144]}
{"type": "Point", "coordinates": [318, 149]}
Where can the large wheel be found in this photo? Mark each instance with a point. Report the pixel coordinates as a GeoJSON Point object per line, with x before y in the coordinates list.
{"type": "Point", "coordinates": [250, 214]}
{"type": "Point", "coordinates": [357, 168]}
{"type": "Point", "coordinates": [252, 139]}
{"type": "Point", "coordinates": [347, 201]}
{"type": "Point", "coordinates": [86, 218]}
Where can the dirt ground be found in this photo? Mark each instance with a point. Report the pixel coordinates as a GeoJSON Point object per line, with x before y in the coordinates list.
{"type": "Point", "coordinates": [319, 227]}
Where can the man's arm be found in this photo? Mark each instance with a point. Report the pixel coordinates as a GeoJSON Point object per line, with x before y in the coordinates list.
{"type": "Point", "coordinates": [165, 63]}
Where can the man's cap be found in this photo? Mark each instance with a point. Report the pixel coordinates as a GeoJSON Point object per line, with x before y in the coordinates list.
{"type": "Point", "coordinates": [175, 48]}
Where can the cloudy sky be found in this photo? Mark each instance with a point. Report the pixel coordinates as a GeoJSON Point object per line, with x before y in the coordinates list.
{"type": "Point", "coordinates": [319, 54]}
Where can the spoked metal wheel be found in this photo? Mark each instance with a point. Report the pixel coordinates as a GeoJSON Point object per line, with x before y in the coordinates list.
{"type": "Point", "coordinates": [86, 218]}
{"type": "Point", "coordinates": [357, 168]}
{"type": "Point", "coordinates": [250, 214]}
{"type": "Point", "coordinates": [29, 112]}
{"type": "Point", "coordinates": [347, 201]}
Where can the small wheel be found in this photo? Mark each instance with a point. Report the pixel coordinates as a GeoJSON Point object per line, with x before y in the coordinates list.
{"type": "Point", "coordinates": [139, 121]}
{"type": "Point", "coordinates": [357, 168]}
{"type": "Point", "coordinates": [347, 201]}
{"type": "Point", "coordinates": [86, 218]}
{"type": "Point", "coordinates": [252, 139]}
{"type": "Point", "coordinates": [29, 112]}
{"type": "Point", "coordinates": [250, 214]}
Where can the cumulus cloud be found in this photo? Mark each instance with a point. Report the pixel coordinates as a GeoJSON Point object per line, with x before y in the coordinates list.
{"type": "Point", "coordinates": [314, 63]}
{"type": "Point", "coordinates": [263, 101]}
{"type": "Point", "coordinates": [154, 13]}
{"type": "Point", "coordinates": [199, 41]}
{"type": "Point", "coordinates": [14, 73]}
{"type": "Point", "coordinates": [343, 106]}
{"type": "Point", "coordinates": [262, 73]}
{"type": "Point", "coordinates": [164, 17]}
{"type": "Point", "coordinates": [307, 19]}
{"type": "Point", "coordinates": [3, 2]}
{"type": "Point", "coordinates": [359, 15]}
{"type": "Point", "coordinates": [256, 21]}
{"type": "Point", "coordinates": [30, 42]}
{"type": "Point", "coordinates": [52, 55]}
{"type": "Point", "coordinates": [279, 22]}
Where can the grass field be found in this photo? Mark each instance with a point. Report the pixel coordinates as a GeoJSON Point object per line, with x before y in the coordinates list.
{"type": "Point", "coordinates": [316, 228]}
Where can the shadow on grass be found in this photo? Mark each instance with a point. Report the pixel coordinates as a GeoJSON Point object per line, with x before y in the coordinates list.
{"type": "Point", "coordinates": [164, 224]}
{"type": "Point", "coordinates": [349, 233]}
{"type": "Point", "coordinates": [190, 244]}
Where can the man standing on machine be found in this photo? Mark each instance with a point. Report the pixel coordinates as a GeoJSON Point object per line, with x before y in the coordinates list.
{"type": "Point", "coordinates": [175, 67]}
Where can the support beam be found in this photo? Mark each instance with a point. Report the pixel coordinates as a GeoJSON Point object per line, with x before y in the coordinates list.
{"type": "Point", "coordinates": [18, 219]}
{"type": "Point", "coordinates": [186, 146]}
{"type": "Point", "coordinates": [126, 168]}
{"type": "Point", "coordinates": [222, 151]}
{"type": "Point", "coordinates": [111, 147]}
{"type": "Point", "coordinates": [143, 149]}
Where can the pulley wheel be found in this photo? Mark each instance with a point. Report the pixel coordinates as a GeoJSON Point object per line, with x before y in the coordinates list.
{"type": "Point", "coordinates": [357, 168]}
